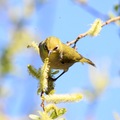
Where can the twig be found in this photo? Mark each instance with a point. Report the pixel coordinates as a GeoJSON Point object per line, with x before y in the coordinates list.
{"type": "Point", "coordinates": [111, 20]}
{"type": "Point", "coordinates": [86, 33]}
{"type": "Point", "coordinates": [79, 37]}
{"type": "Point", "coordinates": [42, 104]}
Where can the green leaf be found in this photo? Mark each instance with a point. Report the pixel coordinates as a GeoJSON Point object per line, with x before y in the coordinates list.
{"type": "Point", "coordinates": [61, 111]}
{"type": "Point", "coordinates": [34, 72]}
{"type": "Point", "coordinates": [116, 7]}
{"type": "Point", "coordinates": [53, 115]}
{"type": "Point", "coordinates": [39, 91]}
{"type": "Point", "coordinates": [56, 114]}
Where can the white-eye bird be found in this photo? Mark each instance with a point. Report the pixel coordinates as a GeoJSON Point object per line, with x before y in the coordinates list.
{"type": "Point", "coordinates": [60, 55]}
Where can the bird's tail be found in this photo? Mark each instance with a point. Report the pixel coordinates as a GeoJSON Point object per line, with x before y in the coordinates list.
{"type": "Point", "coordinates": [85, 60]}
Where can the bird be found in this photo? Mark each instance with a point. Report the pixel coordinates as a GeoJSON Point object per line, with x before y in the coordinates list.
{"type": "Point", "coordinates": [61, 56]}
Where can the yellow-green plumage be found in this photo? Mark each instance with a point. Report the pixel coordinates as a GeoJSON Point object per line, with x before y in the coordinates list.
{"type": "Point", "coordinates": [60, 55]}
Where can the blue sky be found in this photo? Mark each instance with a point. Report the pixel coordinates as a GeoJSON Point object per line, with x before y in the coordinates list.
{"type": "Point", "coordinates": [66, 20]}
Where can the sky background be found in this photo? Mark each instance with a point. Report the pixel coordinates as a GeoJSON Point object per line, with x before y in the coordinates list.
{"type": "Point", "coordinates": [64, 19]}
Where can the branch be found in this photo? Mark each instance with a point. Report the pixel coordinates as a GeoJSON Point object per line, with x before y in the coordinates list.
{"type": "Point", "coordinates": [86, 33]}
{"type": "Point", "coordinates": [42, 104]}
{"type": "Point", "coordinates": [111, 20]}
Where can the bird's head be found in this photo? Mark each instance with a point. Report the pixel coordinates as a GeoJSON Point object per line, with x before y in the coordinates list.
{"type": "Point", "coordinates": [52, 45]}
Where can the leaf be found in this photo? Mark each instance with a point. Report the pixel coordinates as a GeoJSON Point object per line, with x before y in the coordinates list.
{"type": "Point", "coordinates": [61, 111]}
{"type": "Point", "coordinates": [116, 7]}
{"type": "Point", "coordinates": [53, 115]}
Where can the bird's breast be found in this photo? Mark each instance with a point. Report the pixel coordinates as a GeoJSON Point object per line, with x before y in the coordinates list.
{"type": "Point", "coordinates": [57, 63]}
{"type": "Point", "coordinates": [55, 60]}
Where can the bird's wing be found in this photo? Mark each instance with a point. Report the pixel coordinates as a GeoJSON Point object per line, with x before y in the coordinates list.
{"type": "Point", "coordinates": [70, 55]}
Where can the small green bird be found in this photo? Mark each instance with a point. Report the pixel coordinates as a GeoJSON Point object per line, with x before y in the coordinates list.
{"type": "Point", "coordinates": [60, 55]}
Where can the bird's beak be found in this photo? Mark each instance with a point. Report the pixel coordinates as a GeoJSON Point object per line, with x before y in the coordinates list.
{"type": "Point", "coordinates": [50, 51]}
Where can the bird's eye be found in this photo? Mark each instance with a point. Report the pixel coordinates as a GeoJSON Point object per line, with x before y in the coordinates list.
{"type": "Point", "coordinates": [45, 47]}
{"type": "Point", "coordinates": [55, 48]}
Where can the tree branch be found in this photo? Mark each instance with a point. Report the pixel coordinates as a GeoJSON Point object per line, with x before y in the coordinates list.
{"type": "Point", "coordinates": [42, 104]}
{"type": "Point", "coordinates": [86, 33]}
